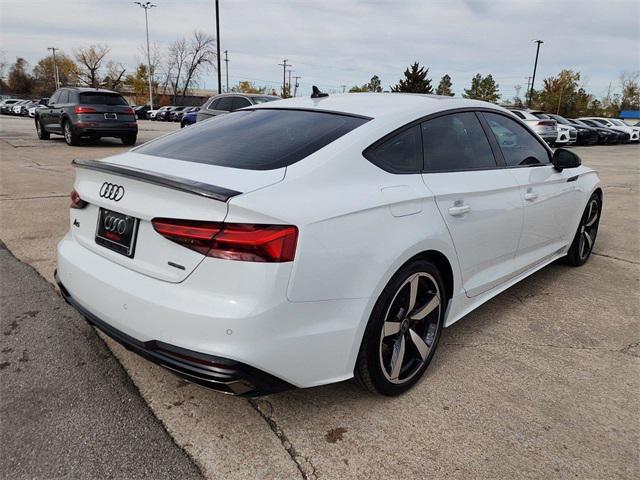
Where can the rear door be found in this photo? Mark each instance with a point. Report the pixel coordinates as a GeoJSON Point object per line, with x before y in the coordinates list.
{"type": "Point", "coordinates": [478, 199]}
{"type": "Point", "coordinates": [548, 195]}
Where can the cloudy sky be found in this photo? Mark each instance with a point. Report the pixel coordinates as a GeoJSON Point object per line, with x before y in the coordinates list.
{"type": "Point", "coordinates": [344, 42]}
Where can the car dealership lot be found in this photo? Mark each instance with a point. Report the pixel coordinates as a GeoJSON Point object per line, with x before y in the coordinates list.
{"type": "Point", "coordinates": [542, 381]}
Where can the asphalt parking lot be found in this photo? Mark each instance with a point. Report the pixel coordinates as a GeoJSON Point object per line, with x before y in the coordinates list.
{"type": "Point", "coordinates": [541, 382]}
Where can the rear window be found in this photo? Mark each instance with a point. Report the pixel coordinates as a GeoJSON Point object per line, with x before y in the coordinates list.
{"type": "Point", "coordinates": [91, 98]}
{"type": "Point", "coordinates": [254, 139]}
{"type": "Point", "coordinates": [258, 100]}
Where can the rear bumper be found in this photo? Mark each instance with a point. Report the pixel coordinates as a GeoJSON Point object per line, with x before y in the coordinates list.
{"type": "Point", "coordinates": [235, 316]}
{"type": "Point", "coordinates": [221, 374]}
{"type": "Point", "coordinates": [96, 129]}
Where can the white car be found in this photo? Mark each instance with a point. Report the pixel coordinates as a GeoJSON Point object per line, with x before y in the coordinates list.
{"type": "Point", "coordinates": [304, 241]}
{"type": "Point", "coordinates": [545, 127]}
{"type": "Point", "coordinates": [615, 124]}
{"type": "Point", "coordinates": [567, 135]}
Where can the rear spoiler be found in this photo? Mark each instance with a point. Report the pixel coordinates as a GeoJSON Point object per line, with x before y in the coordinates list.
{"type": "Point", "coordinates": [176, 183]}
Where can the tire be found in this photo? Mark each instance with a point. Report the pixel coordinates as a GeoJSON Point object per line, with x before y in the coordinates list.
{"type": "Point", "coordinates": [402, 329]}
{"type": "Point", "coordinates": [129, 139]}
{"type": "Point", "coordinates": [71, 138]}
{"type": "Point", "coordinates": [585, 236]}
{"type": "Point", "coordinates": [182, 124]}
{"type": "Point", "coordinates": [42, 133]}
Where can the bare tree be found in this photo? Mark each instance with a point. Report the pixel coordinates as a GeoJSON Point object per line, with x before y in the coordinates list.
{"type": "Point", "coordinates": [200, 53]}
{"type": "Point", "coordinates": [90, 61]}
{"type": "Point", "coordinates": [178, 56]}
{"type": "Point", "coordinates": [114, 78]}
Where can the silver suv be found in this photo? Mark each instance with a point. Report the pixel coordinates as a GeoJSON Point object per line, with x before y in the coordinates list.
{"type": "Point", "coordinates": [230, 102]}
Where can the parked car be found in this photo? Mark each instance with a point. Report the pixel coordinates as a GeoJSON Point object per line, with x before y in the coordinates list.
{"type": "Point", "coordinates": [621, 137]}
{"type": "Point", "coordinates": [141, 111]}
{"type": "Point", "coordinates": [153, 114]}
{"type": "Point", "coordinates": [189, 118]}
{"type": "Point", "coordinates": [176, 113]}
{"type": "Point", "coordinates": [86, 112]}
{"type": "Point", "coordinates": [6, 105]}
{"type": "Point", "coordinates": [585, 135]}
{"type": "Point", "coordinates": [165, 115]}
{"type": "Point", "coordinates": [230, 102]}
{"type": "Point", "coordinates": [567, 134]}
{"type": "Point", "coordinates": [16, 108]}
{"type": "Point", "coordinates": [615, 124]}
{"type": "Point", "coordinates": [546, 128]}
{"type": "Point", "coordinates": [263, 246]}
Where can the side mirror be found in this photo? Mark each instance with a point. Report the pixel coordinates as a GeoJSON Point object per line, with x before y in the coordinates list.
{"type": "Point", "coordinates": [563, 158]}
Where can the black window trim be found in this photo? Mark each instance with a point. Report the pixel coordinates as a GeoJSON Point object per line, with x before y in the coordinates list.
{"type": "Point", "coordinates": [497, 152]}
{"type": "Point", "coordinates": [527, 128]}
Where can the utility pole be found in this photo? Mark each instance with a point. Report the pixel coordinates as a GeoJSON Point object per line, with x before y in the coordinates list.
{"type": "Point", "coordinates": [147, 6]}
{"type": "Point", "coordinates": [284, 66]}
{"type": "Point", "coordinates": [343, 87]}
{"type": "Point", "coordinates": [528, 85]}
{"type": "Point", "coordinates": [56, 75]}
{"type": "Point", "coordinates": [289, 81]}
{"type": "Point", "coordinates": [226, 68]}
{"type": "Point", "coordinates": [296, 85]}
{"type": "Point", "coordinates": [535, 66]}
{"type": "Point", "coordinates": [218, 47]}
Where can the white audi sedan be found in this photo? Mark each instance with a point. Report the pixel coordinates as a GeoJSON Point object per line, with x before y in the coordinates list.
{"type": "Point", "coordinates": [307, 241]}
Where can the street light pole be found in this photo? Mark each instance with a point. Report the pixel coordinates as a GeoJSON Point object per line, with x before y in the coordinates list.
{"type": "Point", "coordinates": [56, 75]}
{"type": "Point", "coordinates": [147, 6]}
{"type": "Point", "coordinates": [535, 66]}
{"type": "Point", "coordinates": [226, 68]}
{"type": "Point", "coordinates": [218, 46]}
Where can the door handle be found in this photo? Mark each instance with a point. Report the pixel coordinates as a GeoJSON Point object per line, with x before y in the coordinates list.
{"type": "Point", "coordinates": [459, 210]}
{"type": "Point", "coordinates": [530, 196]}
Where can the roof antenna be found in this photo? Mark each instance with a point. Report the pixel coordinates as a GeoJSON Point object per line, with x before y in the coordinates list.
{"type": "Point", "coordinates": [317, 93]}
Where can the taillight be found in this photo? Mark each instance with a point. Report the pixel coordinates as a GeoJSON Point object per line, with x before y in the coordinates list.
{"type": "Point", "coordinates": [81, 109]}
{"type": "Point", "coordinates": [76, 201]}
{"type": "Point", "coordinates": [128, 110]}
{"type": "Point", "coordinates": [232, 241]}
{"type": "Point", "coordinates": [549, 123]}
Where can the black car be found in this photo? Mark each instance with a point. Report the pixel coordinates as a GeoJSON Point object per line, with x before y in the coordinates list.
{"type": "Point", "coordinates": [141, 111]}
{"type": "Point", "coordinates": [87, 112]}
{"type": "Point", "coordinates": [613, 137]}
{"type": "Point", "coordinates": [165, 115]}
{"type": "Point", "coordinates": [604, 136]}
{"type": "Point", "coordinates": [586, 135]}
{"type": "Point", "coordinates": [176, 114]}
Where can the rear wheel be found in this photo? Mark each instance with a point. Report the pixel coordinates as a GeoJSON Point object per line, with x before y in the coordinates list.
{"type": "Point", "coordinates": [585, 237]}
{"type": "Point", "coordinates": [403, 330]}
{"type": "Point", "coordinates": [70, 137]}
{"type": "Point", "coordinates": [42, 133]}
{"type": "Point", "coordinates": [129, 139]}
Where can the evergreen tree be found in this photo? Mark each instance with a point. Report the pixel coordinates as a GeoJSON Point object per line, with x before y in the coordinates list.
{"type": "Point", "coordinates": [483, 88]}
{"type": "Point", "coordinates": [444, 87]}
{"type": "Point", "coordinates": [374, 84]}
{"type": "Point", "coordinates": [415, 80]}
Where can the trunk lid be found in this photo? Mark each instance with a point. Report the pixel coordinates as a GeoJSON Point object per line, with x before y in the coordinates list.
{"type": "Point", "coordinates": [155, 187]}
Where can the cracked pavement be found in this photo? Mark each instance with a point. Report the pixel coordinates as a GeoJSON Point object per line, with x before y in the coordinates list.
{"type": "Point", "coordinates": [541, 382]}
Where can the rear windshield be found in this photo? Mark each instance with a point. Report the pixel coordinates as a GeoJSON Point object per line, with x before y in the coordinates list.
{"type": "Point", "coordinates": [263, 99]}
{"type": "Point", "coordinates": [254, 139]}
{"type": "Point", "coordinates": [91, 98]}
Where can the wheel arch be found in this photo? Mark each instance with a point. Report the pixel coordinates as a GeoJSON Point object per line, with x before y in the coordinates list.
{"type": "Point", "coordinates": [444, 266]}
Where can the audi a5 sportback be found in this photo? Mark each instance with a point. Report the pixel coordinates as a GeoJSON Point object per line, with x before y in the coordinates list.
{"type": "Point", "coordinates": [305, 241]}
{"type": "Point", "coordinates": [86, 112]}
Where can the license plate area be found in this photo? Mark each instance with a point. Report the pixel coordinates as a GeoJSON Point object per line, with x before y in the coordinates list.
{"type": "Point", "coordinates": [117, 232]}
{"type": "Point", "coordinates": [110, 116]}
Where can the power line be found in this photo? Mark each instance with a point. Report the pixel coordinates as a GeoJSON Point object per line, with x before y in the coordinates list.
{"type": "Point", "coordinates": [284, 76]}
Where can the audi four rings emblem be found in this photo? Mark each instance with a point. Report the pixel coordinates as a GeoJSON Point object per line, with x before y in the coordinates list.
{"type": "Point", "coordinates": [112, 191]}
{"type": "Point", "coordinates": [115, 224]}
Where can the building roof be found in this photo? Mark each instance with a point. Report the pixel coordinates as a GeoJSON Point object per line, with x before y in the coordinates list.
{"type": "Point", "coordinates": [630, 114]}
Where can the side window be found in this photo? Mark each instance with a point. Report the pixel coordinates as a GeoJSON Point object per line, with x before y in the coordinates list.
{"type": "Point", "coordinates": [519, 146]}
{"type": "Point", "coordinates": [64, 97]}
{"type": "Point", "coordinates": [456, 142]}
{"type": "Point", "coordinates": [239, 102]}
{"type": "Point", "coordinates": [517, 114]}
{"type": "Point", "coordinates": [225, 103]}
{"type": "Point", "coordinates": [55, 97]}
{"type": "Point", "coordinates": [402, 153]}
